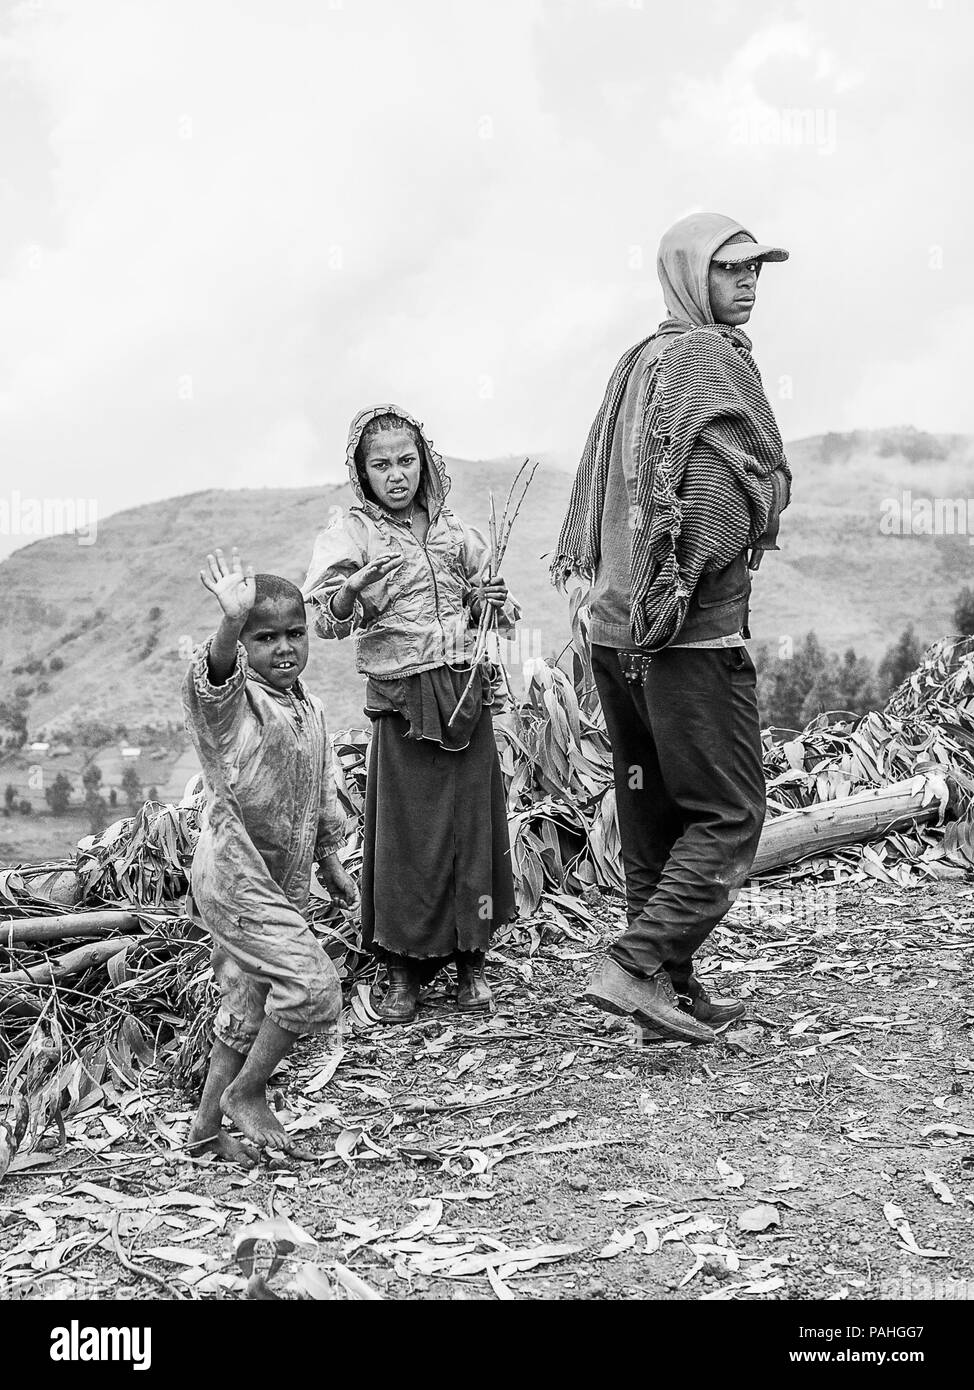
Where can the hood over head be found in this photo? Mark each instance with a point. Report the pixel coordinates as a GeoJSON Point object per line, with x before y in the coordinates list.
{"type": "Point", "coordinates": [434, 483]}
{"type": "Point", "coordinates": [683, 262]}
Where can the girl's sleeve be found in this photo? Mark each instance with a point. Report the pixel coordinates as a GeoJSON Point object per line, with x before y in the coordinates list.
{"type": "Point", "coordinates": [339, 551]}
{"type": "Point", "coordinates": [213, 711]}
{"type": "Point", "coordinates": [331, 823]}
{"type": "Point", "coordinates": [476, 562]}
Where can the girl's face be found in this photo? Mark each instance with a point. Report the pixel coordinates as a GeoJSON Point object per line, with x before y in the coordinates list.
{"type": "Point", "coordinates": [393, 468]}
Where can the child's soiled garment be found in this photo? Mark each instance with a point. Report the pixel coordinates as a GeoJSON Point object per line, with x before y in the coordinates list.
{"type": "Point", "coordinates": [271, 808]}
{"type": "Point", "coordinates": [430, 700]}
{"type": "Point", "coordinates": [418, 616]}
{"type": "Point", "coordinates": [436, 850]}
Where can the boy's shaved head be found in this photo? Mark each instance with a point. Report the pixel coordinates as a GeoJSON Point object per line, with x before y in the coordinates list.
{"type": "Point", "coordinates": [273, 587]}
{"type": "Point", "coordinates": [275, 599]}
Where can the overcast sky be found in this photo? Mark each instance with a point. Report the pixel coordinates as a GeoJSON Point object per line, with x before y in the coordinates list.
{"type": "Point", "coordinates": [226, 225]}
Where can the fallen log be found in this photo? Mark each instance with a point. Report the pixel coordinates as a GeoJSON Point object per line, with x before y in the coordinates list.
{"type": "Point", "coordinates": [74, 962]}
{"type": "Point", "coordinates": [848, 820]}
{"type": "Point", "coordinates": [29, 930]}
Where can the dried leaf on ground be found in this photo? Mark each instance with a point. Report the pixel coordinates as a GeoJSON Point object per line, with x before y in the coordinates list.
{"type": "Point", "coordinates": [759, 1218]}
{"type": "Point", "coordinates": [896, 1217]}
{"type": "Point", "coordinates": [936, 1183]}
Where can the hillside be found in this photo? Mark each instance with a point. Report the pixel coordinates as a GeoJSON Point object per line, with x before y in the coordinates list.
{"type": "Point", "coordinates": [122, 613]}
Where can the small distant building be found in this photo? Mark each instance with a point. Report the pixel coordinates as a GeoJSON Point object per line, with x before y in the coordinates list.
{"type": "Point", "coordinates": [128, 751]}
{"type": "Point", "coordinates": [39, 747]}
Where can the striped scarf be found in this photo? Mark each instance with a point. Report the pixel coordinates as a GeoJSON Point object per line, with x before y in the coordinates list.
{"type": "Point", "coordinates": [702, 376]}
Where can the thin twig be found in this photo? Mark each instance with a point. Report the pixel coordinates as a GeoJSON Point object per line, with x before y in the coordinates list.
{"type": "Point", "coordinates": [140, 1270]}
{"type": "Point", "coordinates": [514, 483]}
{"type": "Point", "coordinates": [499, 539]}
{"type": "Point", "coordinates": [510, 525]}
{"type": "Point", "coordinates": [480, 647]}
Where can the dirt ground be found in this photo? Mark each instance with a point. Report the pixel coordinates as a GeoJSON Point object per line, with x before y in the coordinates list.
{"type": "Point", "coordinates": [40, 837]}
{"type": "Point", "coordinates": [823, 1149]}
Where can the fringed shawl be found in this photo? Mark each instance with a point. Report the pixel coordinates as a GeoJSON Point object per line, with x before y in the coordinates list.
{"type": "Point", "coordinates": [705, 379]}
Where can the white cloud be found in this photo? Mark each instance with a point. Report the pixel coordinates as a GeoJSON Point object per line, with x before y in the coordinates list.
{"type": "Point", "coordinates": [232, 225]}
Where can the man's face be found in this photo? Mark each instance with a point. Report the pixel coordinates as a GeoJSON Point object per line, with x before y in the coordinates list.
{"type": "Point", "coordinates": [732, 287]}
{"type": "Point", "coordinates": [276, 641]}
{"type": "Point", "coordinates": [392, 466]}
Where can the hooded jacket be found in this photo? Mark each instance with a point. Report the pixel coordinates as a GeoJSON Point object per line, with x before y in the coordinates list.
{"type": "Point", "coordinates": [697, 532]}
{"type": "Point", "coordinates": [418, 617]}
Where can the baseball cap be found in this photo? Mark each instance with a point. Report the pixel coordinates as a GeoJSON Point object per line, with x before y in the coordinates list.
{"type": "Point", "coordinates": [749, 251]}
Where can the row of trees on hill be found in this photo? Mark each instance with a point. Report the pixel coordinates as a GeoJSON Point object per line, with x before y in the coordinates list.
{"type": "Point", "coordinates": [58, 796]}
{"type": "Point", "coordinates": [796, 685]}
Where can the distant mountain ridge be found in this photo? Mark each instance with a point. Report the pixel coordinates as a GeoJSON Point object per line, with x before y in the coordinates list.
{"type": "Point", "coordinates": [102, 631]}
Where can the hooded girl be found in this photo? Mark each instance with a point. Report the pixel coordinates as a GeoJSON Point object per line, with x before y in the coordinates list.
{"type": "Point", "coordinates": [408, 580]}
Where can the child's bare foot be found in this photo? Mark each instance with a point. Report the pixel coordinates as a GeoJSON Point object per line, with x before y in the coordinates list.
{"type": "Point", "coordinates": [294, 1153]}
{"type": "Point", "coordinates": [254, 1118]}
{"type": "Point", "coordinates": [222, 1144]}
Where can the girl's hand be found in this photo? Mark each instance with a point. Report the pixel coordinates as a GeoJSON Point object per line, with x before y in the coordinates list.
{"type": "Point", "coordinates": [492, 592]}
{"type": "Point", "coordinates": [234, 587]}
{"type": "Point", "coordinates": [375, 570]}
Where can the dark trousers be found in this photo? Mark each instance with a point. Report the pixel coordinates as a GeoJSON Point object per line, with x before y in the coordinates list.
{"type": "Point", "coordinates": [690, 796]}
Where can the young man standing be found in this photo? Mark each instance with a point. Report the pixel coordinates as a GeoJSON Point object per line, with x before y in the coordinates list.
{"type": "Point", "coordinates": [682, 480]}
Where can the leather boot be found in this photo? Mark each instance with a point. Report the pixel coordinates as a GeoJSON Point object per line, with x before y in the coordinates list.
{"type": "Point", "coordinates": [715, 1012]}
{"type": "Point", "coordinates": [403, 983]}
{"type": "Point", "coordinates": [473, 991]}
{"type": "Point", "coordinates": [651, 1002]}
{"type": "Point", "coordinates": [694, 1000]}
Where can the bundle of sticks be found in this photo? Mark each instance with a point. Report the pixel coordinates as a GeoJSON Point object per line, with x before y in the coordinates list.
{"type": "Point", "coordinates": [499, 535]}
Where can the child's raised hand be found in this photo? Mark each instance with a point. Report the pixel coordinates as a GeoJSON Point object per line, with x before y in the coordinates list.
{"type": "Point", "coordinates": [375, 570]}
{"type": "Point", "coordinates": [233, 586]}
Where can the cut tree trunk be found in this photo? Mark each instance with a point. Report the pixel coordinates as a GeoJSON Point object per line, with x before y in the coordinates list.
{"type": "Point", "coordinates": [71, 963]}
{"type": "Point", "coordinates": [30, 930]}
{"type": "Point", "coordinates": [830, 824]}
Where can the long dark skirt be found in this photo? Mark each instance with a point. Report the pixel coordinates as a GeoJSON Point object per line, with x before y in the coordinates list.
{"type": "Point", "coordinates": [436, 867]}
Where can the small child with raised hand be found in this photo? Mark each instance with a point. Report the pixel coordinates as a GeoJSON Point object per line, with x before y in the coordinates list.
{"type": "Point", "coordinates": [271, 811]}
